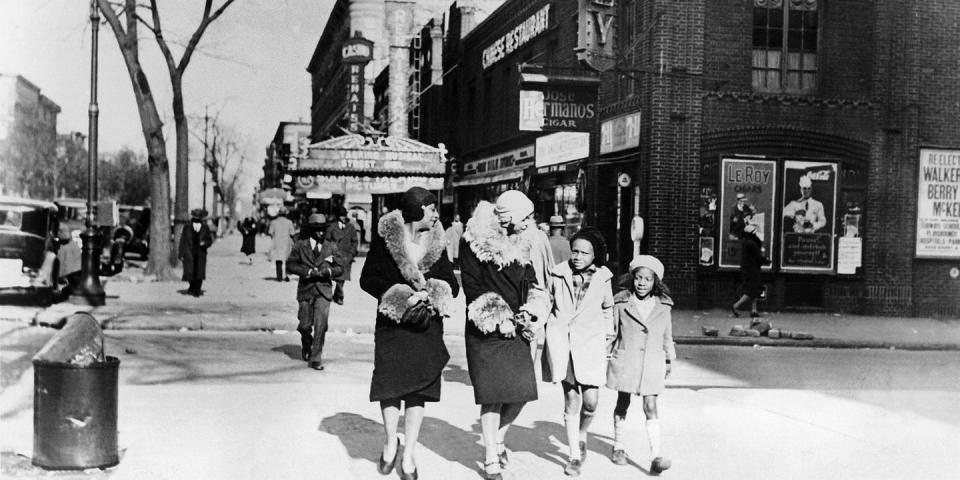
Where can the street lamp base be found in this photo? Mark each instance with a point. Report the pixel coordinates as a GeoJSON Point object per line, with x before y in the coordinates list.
{"type": "Point", "coordinates": [89, 291]}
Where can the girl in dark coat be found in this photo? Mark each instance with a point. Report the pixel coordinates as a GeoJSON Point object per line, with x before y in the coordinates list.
{"type": "Point", "coordinates": [504, 301]}
{"type": "Point", "coordinates": [408, 271]}
{"type": "Point", "coordinates": [751, 259]}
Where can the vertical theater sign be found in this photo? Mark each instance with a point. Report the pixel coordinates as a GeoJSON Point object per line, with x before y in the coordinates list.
{"type": "Point", "coordinates": [356, 53]}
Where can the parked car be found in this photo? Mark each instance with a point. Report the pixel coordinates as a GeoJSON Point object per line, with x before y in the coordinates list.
{"type": "Point", "coordinates": [72, 212]}
{"type": "Point", "coordinates": [134, 230]}
{"type": "Point", "coordinates": [27, 257]}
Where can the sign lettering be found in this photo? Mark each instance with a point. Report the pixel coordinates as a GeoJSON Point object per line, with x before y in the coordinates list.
{"type": "Point", "coordinates": [558, 108]}
{"type": "Point", "coordinates": [596, 34]}
{"type": "Point", "coordinates": [515, 38]}
{"type": "Point", "coordinates": [938, 204]}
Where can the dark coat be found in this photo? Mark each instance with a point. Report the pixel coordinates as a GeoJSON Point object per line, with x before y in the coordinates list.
{"type": "Point", "coordinates": [248, 230]}
{"type": "Point", "coordinates": [751, 259]}
{"type": "Point", "coordinates": [192, 252]}
{"type": "Point", "coordinates": [303, 258]}
{"type": "Point", "coordinates": [407, 361]}
{"type": "Point", "coordinates": [498, 281]}
{"type": "Point", "coordinates": [346, 239]}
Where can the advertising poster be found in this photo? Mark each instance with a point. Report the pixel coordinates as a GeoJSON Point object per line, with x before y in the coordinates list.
{"type": "Point", "coordinates": [938, 204]}
{"type": "Point", "coordinates": [809, 204]}
{"type": "Point", "coordinates": [748, 189]}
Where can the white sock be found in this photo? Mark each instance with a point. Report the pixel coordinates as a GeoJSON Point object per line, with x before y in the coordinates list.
{"type": "Point", "coordinates": [572, 422]}
{"type": "Point", "coordinates": [653, 434]}
{"type": "Point", "coordinates": [618, 427]}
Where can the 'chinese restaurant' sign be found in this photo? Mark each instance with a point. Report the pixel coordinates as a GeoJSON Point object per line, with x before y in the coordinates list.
{"type": "Point", "coordinates": [528, 30]}
{"type": "Point", "coordinates": [558, 108]}
{"type": "Point", "coordinates": [596, 34]}
{"type": "Point", "coordinates": [808, 216]}
{"type": "Point", "coordinates": [620, 133]}
{"type": "Point", "coordinates": [938, 204]}
{"type": "Point", "coordinates": [748, 190]}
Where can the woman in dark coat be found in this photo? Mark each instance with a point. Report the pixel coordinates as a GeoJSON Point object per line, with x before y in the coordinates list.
{"type": "Point", "coordinates": [248, 230]}
{"type": "Point", "coordinates": [504, 302]}
{"type": "Point", "coordinates": [408, 271]}
{"type": "Point", "coordinates": [751, 259]}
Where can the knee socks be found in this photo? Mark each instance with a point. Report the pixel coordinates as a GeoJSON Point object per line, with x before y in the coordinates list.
{"type": "Point", "coordinates": [653, 435]}
{"type": "Point", "coordinates": [618, 428]}
{"type": "Point", "coordinates": [572, 422]}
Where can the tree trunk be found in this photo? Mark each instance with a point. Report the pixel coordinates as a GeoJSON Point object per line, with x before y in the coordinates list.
{"type": "Point", "coordinates": [181, 199]}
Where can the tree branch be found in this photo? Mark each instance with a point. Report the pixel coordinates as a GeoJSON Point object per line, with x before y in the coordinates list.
{"type": "Point", "coordinates": [208, 18]}
{"type": "Point", "coordinates": [158, 34]}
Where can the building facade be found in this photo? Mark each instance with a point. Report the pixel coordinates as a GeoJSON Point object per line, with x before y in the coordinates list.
{"type": "Point", "coordinates": [828, 125]}
{"type": "Point", "coordinates": [28, 139]}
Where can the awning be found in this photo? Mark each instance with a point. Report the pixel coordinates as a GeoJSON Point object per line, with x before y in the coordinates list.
{"type": "Point", "coordinates": [498, 176]}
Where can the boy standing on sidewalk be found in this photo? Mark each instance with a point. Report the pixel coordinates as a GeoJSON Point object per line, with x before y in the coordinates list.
{"type": "Point", "coordinates": [317, 262]}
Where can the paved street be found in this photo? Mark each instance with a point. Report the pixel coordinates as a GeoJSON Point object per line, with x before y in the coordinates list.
{"type": "Point", "coordinates": [222, 404]}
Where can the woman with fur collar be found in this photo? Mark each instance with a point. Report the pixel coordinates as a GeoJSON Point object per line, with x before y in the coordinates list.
{"type": "Point", "coordinates": [408, 271]}
{"type": "Point", "coordinates": [504, 303]}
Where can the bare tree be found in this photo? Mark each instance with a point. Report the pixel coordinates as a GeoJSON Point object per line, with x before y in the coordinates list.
{"type": "Point", "coordinates": [224, 163]}
{"type": "Point", "coordinates": [162, 254]}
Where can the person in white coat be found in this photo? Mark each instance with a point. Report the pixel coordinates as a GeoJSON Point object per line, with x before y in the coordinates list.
{"type": "Point", "coordinates": [577, 333]}
{"type": "Point", "coordinates": [641, 353]}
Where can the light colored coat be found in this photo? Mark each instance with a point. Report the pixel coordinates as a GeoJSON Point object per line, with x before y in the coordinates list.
{"type": "Point", "coordinates": [641, 348]}
{"type": "Point", "coordinates": [580, 331]}
{"type": "Point", "coordinates": [281, 231]}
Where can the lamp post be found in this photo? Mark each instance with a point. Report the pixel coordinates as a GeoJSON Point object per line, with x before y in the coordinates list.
{"type": "Point", "coordinates": [89, 290]}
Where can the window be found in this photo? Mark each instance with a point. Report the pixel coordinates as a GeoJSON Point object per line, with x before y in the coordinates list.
{"type": "Point", "coordinates": [785, 45]}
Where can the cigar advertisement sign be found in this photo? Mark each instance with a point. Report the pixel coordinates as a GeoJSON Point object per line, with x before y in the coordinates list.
{"type": "Point", "coordinates": [748, 190]}
{"type": "Point", "coordinates": [938, 204]}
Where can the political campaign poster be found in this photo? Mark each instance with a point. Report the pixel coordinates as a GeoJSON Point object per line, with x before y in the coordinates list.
{"type": "Point", "coordinates": [938, 204]}
{"type": "Point", "coordinates": [809, 196]}
{"type": "Point", "coordinates": [747, 192]}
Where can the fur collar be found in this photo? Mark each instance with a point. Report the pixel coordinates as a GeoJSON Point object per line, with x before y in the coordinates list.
{"type": "Point", "coordinates": [490, 243]}
{"type": "Point", "coordinates": [391, 228]}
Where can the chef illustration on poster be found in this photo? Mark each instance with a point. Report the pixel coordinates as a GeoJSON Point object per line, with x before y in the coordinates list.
{"type": "Point", "coordinates": [809, 190]}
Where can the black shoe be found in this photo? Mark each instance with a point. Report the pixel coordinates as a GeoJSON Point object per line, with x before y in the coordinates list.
{"type": "Point", "coordinates": [754, 315]}
{"type": "Point", "coordinates": [305, 354]}
{"type": "Point", "coordinates": [659, 465]}
{"type": "Point", "coordinates": [406, 476]}
{"type": "Point", "coordinates": [488, 475]}
{"type": "Point", "coordinates": [504, 458]}
{"type": "Point", "coordinates": [734, 311]}
{"type": "Point", "coordinates": [286, 279]}
{"type": "Point", "coordinates": [385, 467]}
{"type": "Point", "coordinates": [315, 365]}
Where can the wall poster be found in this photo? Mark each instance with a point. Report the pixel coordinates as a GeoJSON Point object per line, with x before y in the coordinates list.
{"type": "Point", "coordinates": [809, 197]}
{"type": "Point", "coordinates": [938, 204]}
{"type": "Point", "coordinates": [748, 188]}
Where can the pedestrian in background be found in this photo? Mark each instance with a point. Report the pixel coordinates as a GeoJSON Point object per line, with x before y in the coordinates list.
{"type": "Point", "coordinates": [317, 262]}
{"type": "Point", "coordinates": [408, 272]}
{"type": "Point", "coordinates": [641, 353]}
{"type": "Point", "coordinates": [342, 232]}
{"type": "Point", "coordinates": [194, 241]}
{"type": "Point", "coordinates": [541, 257]}
{"type": "Point", "coordinates": [69, 257]}
{"type": "Point", "coordinates": [504, 303]}
{"type": "Point", "coordinates": [281, 232]}
{"type": "Point", "coordinates": [577, 331]}
{"type": "Point", "coordinates": [751, 260]}
{"type": "Point", "coordinates": [453, 234]}
{"type": "Point", "coordinates": [248, 231]}
{"type": "Point", "coordinates": [559, 244]}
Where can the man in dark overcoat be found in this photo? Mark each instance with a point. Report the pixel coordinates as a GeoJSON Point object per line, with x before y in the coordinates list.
{"type": "Point", "coordinates": [318, 262]}
{"type": "Point", "coordinates": [342, 232]}
{"type": "Point", "coordinates": [194, 241]}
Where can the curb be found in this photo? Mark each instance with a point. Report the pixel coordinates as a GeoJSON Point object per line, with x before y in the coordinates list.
{"type": "Point", "coordinates": [815, 343]}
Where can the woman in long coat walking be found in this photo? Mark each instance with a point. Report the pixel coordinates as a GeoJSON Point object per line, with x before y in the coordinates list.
{"type": "Point", "coordinates": [504, 303]}
{"type": "Point", "coordinates": [248, 231]}
{"type": "Point", "coordinates": [282, 232]}
{"type": "Point", "coordinates": [751, 259]}
{"type": "Point", "coordinates": [192, 251]}
{"type": "Point", "coordinates": [408, 271]}
{"type": "Point", "coordinates": [577, 331]}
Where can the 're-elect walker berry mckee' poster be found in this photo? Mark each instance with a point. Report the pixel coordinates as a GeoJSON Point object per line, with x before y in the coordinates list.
{"type": "Point", "coordinates": [938, 204]}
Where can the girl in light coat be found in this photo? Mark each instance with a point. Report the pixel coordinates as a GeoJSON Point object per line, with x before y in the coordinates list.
{"type": "Point", "coordinates": [641, 353]}
{"type": "Point", "coordinates": [577, 331]}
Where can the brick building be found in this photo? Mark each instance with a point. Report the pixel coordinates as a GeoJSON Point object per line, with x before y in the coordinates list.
{"type": "Point", "coordinates": [28, 139]}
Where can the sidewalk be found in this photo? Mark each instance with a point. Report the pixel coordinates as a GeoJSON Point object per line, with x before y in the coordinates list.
{"type": "Point", "coordinates": [244, 297]}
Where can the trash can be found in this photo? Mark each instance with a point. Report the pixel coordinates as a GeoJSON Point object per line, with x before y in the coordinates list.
{"type": "Point", "coordinates": [75, 414]}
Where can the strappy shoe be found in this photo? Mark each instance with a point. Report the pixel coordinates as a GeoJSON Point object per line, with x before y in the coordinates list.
{"type": "Point", "coordinates": [488, 474]}
{"type": "Point", "coordinates": [405, 475]}
{"type": "Point", "coordinates": [502, 455]}
{"type": "Point", "coordinates": [619, 456]}
{"type": "Point", "coordinates": [573, 467]}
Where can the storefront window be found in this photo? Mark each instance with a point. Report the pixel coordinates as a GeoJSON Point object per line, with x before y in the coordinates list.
{"type": "Point", "coordinates": [565, 205]}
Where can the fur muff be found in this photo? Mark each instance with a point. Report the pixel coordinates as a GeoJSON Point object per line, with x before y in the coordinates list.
{"type": "Point", "coordinates": [490, 243]}
{"type": "Point", "coordinates": [490, 312]}
{"type": "Point", "coordinates": [391, 229]}
{"type": "Point", "coordinates": [440, 296]}
{"type": "Point", "coordinates": [394, 301]}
